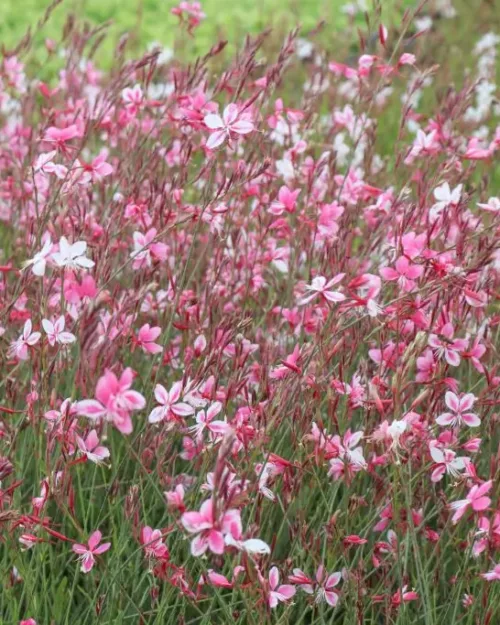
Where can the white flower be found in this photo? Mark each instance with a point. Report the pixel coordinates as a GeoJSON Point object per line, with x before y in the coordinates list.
{"type": "Point", "coordinates": [72, 255]}
{"type": "Point", "coordinates": [39, 261]}
{"type": "Point", "coordinates": [55, 332]}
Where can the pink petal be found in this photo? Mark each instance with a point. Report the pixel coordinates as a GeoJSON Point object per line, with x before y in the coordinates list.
{"type": "Point", "coordinates": [95, 539]}
{"type": "Point", "coordinates": [274, 578]}
{"type": "Point", "coordinates": [216, 139]}
{"type": "Point", "coordinates": [214, 122]}
{"type": "Point", "coordinates": [161, 395]}
{"type": "Point", "coordinates": [91, 408]}
{"type": "Point", "coordinates": [471, 419]}
{"type": "Point", "coordinates": [451, 400]}
{"type": "Point", "coordinates": [242, 127]}
{"type": "Point", "coordinates": [102, 548]}
{"type": "Point", "coordinates": [216, 542]}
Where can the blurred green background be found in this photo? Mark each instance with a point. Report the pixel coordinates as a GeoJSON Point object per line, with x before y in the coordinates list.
{"type": "Point", "coordinates": [151, 21]}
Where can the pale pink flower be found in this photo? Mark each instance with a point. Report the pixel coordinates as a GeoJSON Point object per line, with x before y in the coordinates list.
{"type": "Point", "coordinates": [493, 205]}
{"type": "Point", "coordinates": [405, 273]}
{"type": "Point", "coordinates": [175, 498]}
{"type": "Point", "coordinates": [445, 346]}
{"type": "Point", "coordinates": [170, 407]}
{"type": "Point", "coordinates": [72, 255]}
{"type": "Point", "coordinates": [38, 263]}
{"type": "Point", "coordinates": [278, 593]}
{"type": "Point", "coordinates": [476, 499]}
{"type": "Point", "coordinates": [493, 575]}
{"type": "Point", "coordinates": [114, 400]}
{"type": "Point", "coordinates": [320, 286]}
{"type": "Point", "coordinates": [87, 553]}
{"type": "Point", "coordinates": [460, 407]}
{"type": "Point", "coordinates": [91, 449]}
{"type": "Point", "coordinates": [205, 420]}
{"type": "Point", "coordinates": [19, 348]}
{"type": "Point", "coordinates": [224, 127]}
{"type": "Point", "coordinates": [446, 462]}
{"type": "Point", "coordinates": [322, 586]}
{"type": "Point", "coordinates": [152, 541]}
{"type": "Point", "coordinates": [146, 338]}
{"type": "Point", "coordinates": [210, 530]}
{"type": "Point", "coordinates": [55, 332]}
{"type": "Point", "coordinates": [146, 251]}
{"type": "Point", "coordinates": [286, 201]}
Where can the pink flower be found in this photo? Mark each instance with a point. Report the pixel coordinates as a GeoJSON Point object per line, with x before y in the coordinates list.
{"type": "Point", "coordinates": [320, 286]}
{"type": "Point", "coordinates": [210, 530]}
{"type": "Point", "coordinates": [475, 499]}
{"type": "Point", "coordinates": [493, 575]}
{"type": "Point", "coordinates": [322, 587]}
{"type": "Point", "coordinates": [146, 339]}
{"type": "Point", "coordinates": [285, 202]}
{"type": "Point", "coordinates": [447, 346]}
{"type": "Point", "coordinates": [153, 544]}
{"type": "Point", "coordinates": [29, 621]}
{"type": "Point", "coordinates": [170, 406]}
{"type": "Point", "coordinates": [146, 251]}
{"type": "Point", "coordinates": [224, 127]}
{"type": "Point", "coordinates": [114, 400]}
{"type": "Point", "coordinates": [55, 332]}
{"type": "Point", "coordinates": [19, 348]}
{"type": "Point", "coordinates": [446, 462]}
{"type": "Point", "coordinates": [86, 554]}
{"type": "Point", "coordinates": [91, 449]}
{"type": "Point", "coordinates": [59, 136]}
{"type": "Point", "coordinates": [459, 407]}
{"type": "Point", "coordinates": [405, 273]}
{"type": "Point", "coordinates": [205, 420]}
{"type": "Point", "coordinates": [278, 593]}
{"type": "Point", "coordinates": [175, 498]}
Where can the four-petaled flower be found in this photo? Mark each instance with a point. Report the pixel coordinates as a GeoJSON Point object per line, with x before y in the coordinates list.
{"type": "Point", "coordinates": [114, 400]}
{"type": "Point", "coordinates": [321, 286]}
{"type": "Point", "coordinates": [88, 552]}
{"type": "Point", "coordinates": [226, 126]}
{"type": "Point", "coordinates": [211, 530]}
{"type": "Point", "coordinates": [170, 406]}
{"type": "Point", "coordinates": [278, 593]}
{"type": "Point", "coordinates": [55, 332]}
{"type": "Point", "coordinates": [19, 348]}
{"type": "Point", "coordinates": [476, 499]}
{"type": "Point", "coordinates": [460, 407]}
{"type": "Point", "coordinates": [72, 255]}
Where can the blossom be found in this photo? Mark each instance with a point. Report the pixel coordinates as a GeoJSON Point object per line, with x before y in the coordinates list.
{"type": "Point", "coordinates": [285, 202]}
{"type": "Point", "coordinates": [278, 593]}
{"type": "Point", "coordinates": [72, 255]}
{"type": "Point", "coordinates": [114, 401]}
{"type": "Point", "coordinates": [226, 126]}
{"type": "Point", "coordinates": [446, 462]}
{"type": "Point", "coordinates": [146, 250]}
{"type": "Point", "coordinates": [88, 552]}
{"type": "Point", "coordinates": [209, 530]}
{"type": "Point", "coordinates": [493, 575]}
{"type": "Point", "coordinates": [321, 286]}
{"type": "Point", "coordinates": [460, 407]}
{"type": "Point", "coordinates": [55, 332]}
{"type": "Point", "coordinates": [146, 339]}
{"type": "Point", "coordinates": [323, 586]}
{"type": "Point", "coordinates": [152, 541]}
{"type": "Point", "coordinates": [405, 273]}
{"type": "Point", "coordinates": [205, 420]}
{"type": "Point", "coordinates": [446, 346]}
{"type": "Point", "coordinates": [170, 406]}
{"type": "Point", "coordinates": [91, 449]}
{"type": "Point", "coordinates": [476, 499]}
{"type": "Point", "coordinates": [38, 263]}
{"type": "Point", "coordinates": [19, 348]}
